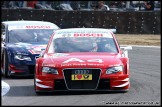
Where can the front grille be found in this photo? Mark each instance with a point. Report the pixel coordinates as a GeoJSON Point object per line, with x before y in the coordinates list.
{"type": "Point", "coordinates": [104, 84]}
{"type": "Point", "coordinates": [81, 84]}
{"type": "Point", "coordinates": [59, 84]}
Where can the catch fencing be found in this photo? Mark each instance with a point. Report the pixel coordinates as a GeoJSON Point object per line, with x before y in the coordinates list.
{"type": "Point", "coordinates": [129, 22]}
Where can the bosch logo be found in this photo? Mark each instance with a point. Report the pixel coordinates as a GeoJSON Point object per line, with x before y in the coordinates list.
{"type": "Point", "coordinates": [81, 71]}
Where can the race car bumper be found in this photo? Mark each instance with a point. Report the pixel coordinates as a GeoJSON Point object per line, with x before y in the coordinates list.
{"type": "Point", "coordinates": [21, 70]}
{"type": "Point", "coordinates": [112, 83]}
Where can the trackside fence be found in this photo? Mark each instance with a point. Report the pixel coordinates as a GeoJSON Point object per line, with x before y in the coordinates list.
{"type": "Point", "coordinates": [129, 22]}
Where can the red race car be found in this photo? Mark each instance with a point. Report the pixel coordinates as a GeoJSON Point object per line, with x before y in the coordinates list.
{"type": "Point", "coordinates": [82, 59]}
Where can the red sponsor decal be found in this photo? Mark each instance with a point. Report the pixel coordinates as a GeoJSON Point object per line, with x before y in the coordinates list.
{"type": "Point", "coordinates": [36, 49]}
{"type": "Point", "coordinates": [79, 76]}
{"type": "Point", "coordinates": [88, 35]}
{"type": "Point", "coordinates": [31, 51]}
{"type": "Point", "coordinates": [38, 27]}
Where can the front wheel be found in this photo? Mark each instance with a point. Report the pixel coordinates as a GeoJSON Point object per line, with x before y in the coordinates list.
{"type": "Point", "coordinates": [5, 67]}
{"type": "Point", "coordinates": [35, 84]}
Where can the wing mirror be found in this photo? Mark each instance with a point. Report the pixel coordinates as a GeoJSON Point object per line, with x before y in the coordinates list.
{"type": "Point", "coordinates": [41, 54]}
{"type": "Point", "coordinates": [113, 30]}
{"type": "Point", "coordinates": [125, 50]}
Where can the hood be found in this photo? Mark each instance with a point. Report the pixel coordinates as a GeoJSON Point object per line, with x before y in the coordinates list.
{"type": "Point", "coordinates": [28, 48]}
{"type": "Point", "coordinates": [83, 60]}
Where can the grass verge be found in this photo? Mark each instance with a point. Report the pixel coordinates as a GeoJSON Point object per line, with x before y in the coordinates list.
{"type": "Point", "coordinates": [139, 39]}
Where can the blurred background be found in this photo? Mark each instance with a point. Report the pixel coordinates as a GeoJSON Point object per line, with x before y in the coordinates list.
{"type": "Point", "coordinates": [79, 5]}
{"type": "Point", "coordinates": [127, 17]}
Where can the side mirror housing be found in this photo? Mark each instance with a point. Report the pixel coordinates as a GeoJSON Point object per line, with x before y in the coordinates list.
{"type": "Point", "coordinates": [113, 30]}
{"type": "Point", "coordinates": [41, 54]}
{"type": "Point", "coordinates": [125, 50]}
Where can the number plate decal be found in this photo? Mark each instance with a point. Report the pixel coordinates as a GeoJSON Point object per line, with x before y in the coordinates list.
{"type": "Point", "coordinates": [81, 77]}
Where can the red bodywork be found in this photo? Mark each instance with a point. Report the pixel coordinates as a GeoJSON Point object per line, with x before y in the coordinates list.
{"type": "Point", "coordinates": [100, 61]}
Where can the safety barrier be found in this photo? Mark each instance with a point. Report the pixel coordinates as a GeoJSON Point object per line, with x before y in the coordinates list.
{"type": "Point", "coordinates": [125, 22]}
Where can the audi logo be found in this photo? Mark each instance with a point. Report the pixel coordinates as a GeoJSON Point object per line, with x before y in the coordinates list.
{"type": "Point", "coordinates": [81, 71]}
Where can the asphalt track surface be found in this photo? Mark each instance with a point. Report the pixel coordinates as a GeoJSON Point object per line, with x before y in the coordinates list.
{"type": "Point", "coordinates": [145, 78]}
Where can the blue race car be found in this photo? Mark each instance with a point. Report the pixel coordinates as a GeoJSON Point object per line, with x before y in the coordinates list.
{"type": "Point", "coordinates": [21, 43]}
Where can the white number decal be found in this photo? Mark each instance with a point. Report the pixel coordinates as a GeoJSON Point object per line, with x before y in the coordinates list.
{"type": "Point", "coordinates": [95, 60]}
{"type": "Point", "coordinates": [79, 60]}
{"type": "Point", "coordinates": [73, 59]}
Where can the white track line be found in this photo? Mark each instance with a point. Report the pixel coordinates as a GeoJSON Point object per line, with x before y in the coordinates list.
{"type": "Point", "coordinates": [142, 46]}
{"type": "Point", "coordinates": [5, 88]}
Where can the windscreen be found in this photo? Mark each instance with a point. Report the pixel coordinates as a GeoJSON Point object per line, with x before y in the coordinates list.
{"type": "Point", "coordinates": [30, 35]}
{"type": "Point", "coordinates": [83, 44]}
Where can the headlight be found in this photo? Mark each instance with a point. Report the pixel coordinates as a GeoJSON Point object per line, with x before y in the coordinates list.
{"type": "Point", "coordinates": [49, 70]}
{"type": "Point", "coordinates": [22, 57]}
{"type": "Point", "coordinates": [114, 69]}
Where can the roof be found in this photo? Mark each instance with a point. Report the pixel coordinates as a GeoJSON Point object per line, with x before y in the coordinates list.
{"type": "Point", "coordinates": [84, 30]}
{"type": "Point", "coordinates": [20, 23]}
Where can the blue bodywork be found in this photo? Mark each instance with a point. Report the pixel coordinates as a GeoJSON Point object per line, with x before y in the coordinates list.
{"type": "Point", "coordinates": [23, 41]}
{"type": "Point", "coordinates": [23, 49]}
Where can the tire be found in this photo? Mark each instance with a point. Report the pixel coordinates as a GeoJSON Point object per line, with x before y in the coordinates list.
{"type": "Point", "coordinates": [5, 65]}
{"type": "Point", "coordinates": [37, 93]}
{"type": "Point", "coordinates": [35, 87]}
{"type": "Point", "coordinates": [34, 84]}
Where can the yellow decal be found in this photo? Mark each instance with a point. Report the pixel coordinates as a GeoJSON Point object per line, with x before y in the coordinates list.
{"type": "Point", "coordinates": [81, 77]}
